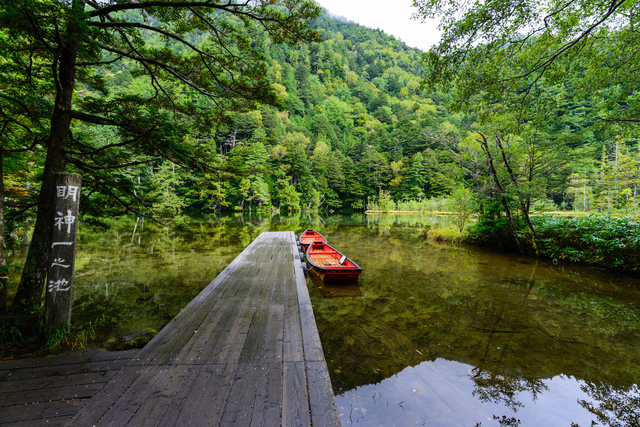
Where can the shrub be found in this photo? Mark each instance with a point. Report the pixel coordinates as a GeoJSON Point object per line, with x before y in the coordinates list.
{"type": "Point", "coordinates": [596, 240]}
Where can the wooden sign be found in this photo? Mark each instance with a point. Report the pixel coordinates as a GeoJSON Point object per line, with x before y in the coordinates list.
{"type": "Point", "coordinates": [63, 250]}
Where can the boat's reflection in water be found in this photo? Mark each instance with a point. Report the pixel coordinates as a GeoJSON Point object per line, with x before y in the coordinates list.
{"type": "Point", "coordinates": [336, 290]}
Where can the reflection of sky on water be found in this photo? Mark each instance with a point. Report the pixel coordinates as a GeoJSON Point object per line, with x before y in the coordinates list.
{"type": "Point", "coordinates": [441, 393]}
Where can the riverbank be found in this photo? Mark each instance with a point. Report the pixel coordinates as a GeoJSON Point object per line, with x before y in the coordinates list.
{"type": "Point", "coordinates": [599, 241]}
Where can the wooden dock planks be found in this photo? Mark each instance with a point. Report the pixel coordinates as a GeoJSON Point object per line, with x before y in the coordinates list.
{"type": "Point", "coordinates": [245, 351]}
{"type": "Point", "coordinates": [48, 391]}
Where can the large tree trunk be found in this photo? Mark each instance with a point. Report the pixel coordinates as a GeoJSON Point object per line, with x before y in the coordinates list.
{"type": "Point", "coordinates": [35, 268]}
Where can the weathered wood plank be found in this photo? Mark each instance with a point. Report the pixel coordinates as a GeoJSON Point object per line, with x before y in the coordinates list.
{"type": "Point", "coordinates": [56, 381]}
{"type": "Point", "coordinates": [232, 317]}
{"type": "Point", "coordinates": [324, 411]}
{"type": "Point", "coordinates": [310, 337]}
{"type": "Point", "coordinates": [48, 421]}
{"type": "Point", "coordinates": [40, 411]}
{"type": "Point", "coordinates": [94, 409]}
{"type": "Point", "coordinates": [293, 350]}
{"type": "Point", "coordinates": [187, 398]}
{"type": "Point", "coordinates": [267, 409]}
{"type": "Point", "coordinates": [46, 394]}
{"type": "Point", "coordinates": [274, 334]}
{"type": "Point", "coordinates": [158, 400]}
{"type": "Point", "coordinates": [255, 341]}
{"type": "Point", "coordinates": [147, 383]}
{"type": "Point", "coordinates": [213, 397]}
{"type": "Point", "coordinates": [239, 406]}
{"type": "Point", "coordinates": [229, 350]}
{"type": "Point", "coordinates": [58, 370]}
{"type": "Point", "coordinates": [87, 356]}
{"type": "Point", "coordinates": [295, 403]}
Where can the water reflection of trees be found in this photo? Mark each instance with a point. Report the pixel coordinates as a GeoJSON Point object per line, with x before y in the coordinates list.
{"type": "Point", "coordinates": [503, 390]}
{"type": "Point", "coordinates": [139, 275]}
{"type": "Point", "coordinates": [517, 320]}
{"type": "Point", "coordinates": [408, 220]}
{"type": "Point", "coordinates": [614, 406]}
{"type": "Point", "coordinates": [497, 387]}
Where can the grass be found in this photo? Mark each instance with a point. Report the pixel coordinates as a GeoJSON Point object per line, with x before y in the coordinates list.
{"type": "Point", "coordinates": [23, 337]}
{"type": "Point", "coordinates": [449, 235]}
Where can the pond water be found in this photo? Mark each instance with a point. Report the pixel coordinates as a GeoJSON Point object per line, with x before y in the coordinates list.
{"type": "Point", "coordinates": [442, 335]}
{"type": "Point", "coordinates": [433, 335]}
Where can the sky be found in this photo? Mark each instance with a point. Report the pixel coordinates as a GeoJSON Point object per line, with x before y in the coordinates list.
{"type": "Point", "coordinates": [392, 17]}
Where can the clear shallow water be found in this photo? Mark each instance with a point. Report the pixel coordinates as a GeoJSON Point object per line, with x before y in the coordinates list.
{"type": "Point", "coordinates": [483, 339]}
{"type": "Point", "coordinates": [449, 335]}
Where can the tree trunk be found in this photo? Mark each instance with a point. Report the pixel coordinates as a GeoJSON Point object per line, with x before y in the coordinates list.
{"type": "Point", "coordinates": [3, 255]}
{"type": "Point", "coordinates": [616, 164]}
{"type": "Point", "coordinates": [584, 204]}
{"type": "Point", "coordinates": [525, 209]}
{"type": "Point", "coordinates": [35, 268]}
{"type": "Point", "coordinates": [485, 146]}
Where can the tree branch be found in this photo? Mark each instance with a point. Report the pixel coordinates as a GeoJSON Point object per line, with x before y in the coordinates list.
{"type": "Point", "coordinates": [119, 144]}
{"type": "Point", "coordinates": [20, 150]}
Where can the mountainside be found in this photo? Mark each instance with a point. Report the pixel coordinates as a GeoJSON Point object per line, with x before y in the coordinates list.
{"type": "Point", "coordinates": [354, 124]}
{"type": "Point", "coordinates": [354, 130]}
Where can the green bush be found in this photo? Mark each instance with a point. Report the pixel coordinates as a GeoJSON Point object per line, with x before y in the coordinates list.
{"type": "Point", "coordinates": [494, 232]}
{"type": "Point", "coordinates": [596, 240]}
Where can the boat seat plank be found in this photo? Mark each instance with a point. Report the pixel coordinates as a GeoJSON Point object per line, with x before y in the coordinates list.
{"type": "Point", "coordinates": [324, 260]}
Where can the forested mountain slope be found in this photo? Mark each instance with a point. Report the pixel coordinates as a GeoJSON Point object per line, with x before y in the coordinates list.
{"type": "Point", "coordinates": [353, 125]}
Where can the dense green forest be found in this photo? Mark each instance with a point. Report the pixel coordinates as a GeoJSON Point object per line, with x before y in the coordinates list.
{"type": "Point", "coordinates": [354, 123]}
{"type": "Point", "coordinates": [354, 127]}
{"type": "Point", "coordinates": [279, 107]}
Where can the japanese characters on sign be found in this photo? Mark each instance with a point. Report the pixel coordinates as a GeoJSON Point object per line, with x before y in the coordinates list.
{"type": "Point", "coordinates": [62, 257]}
{"type": "Point", "coordinates": [65, 191]}
{"type": "Point", "coordinates": [63, 223]}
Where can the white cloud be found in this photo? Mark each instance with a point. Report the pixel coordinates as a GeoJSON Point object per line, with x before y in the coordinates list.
{"type": "Point", "coordinates": [393, 18]}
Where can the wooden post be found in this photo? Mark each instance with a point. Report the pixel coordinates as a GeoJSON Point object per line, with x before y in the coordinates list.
{"type": "Point", "coordinates": [63, 248]}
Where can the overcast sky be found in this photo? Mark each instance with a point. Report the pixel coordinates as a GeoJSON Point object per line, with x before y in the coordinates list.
{"type": "Point", "coordinates": [392, 17]}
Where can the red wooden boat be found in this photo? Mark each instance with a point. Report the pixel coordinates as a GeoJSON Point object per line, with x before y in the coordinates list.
{"type": "Point", "coordinates": [331, 266]}
{"type": "Point", "coordinates": [309, 236]}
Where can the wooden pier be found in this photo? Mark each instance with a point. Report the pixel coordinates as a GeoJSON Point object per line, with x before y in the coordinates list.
{"type": "Point", "coordinates": [245, 351]}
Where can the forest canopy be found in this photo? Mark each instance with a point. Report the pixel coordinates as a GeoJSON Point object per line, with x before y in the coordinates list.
{"type": "Point", "coordinates": [497, 50]}
{"type": "Point", "coordinates": [192, 61]}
